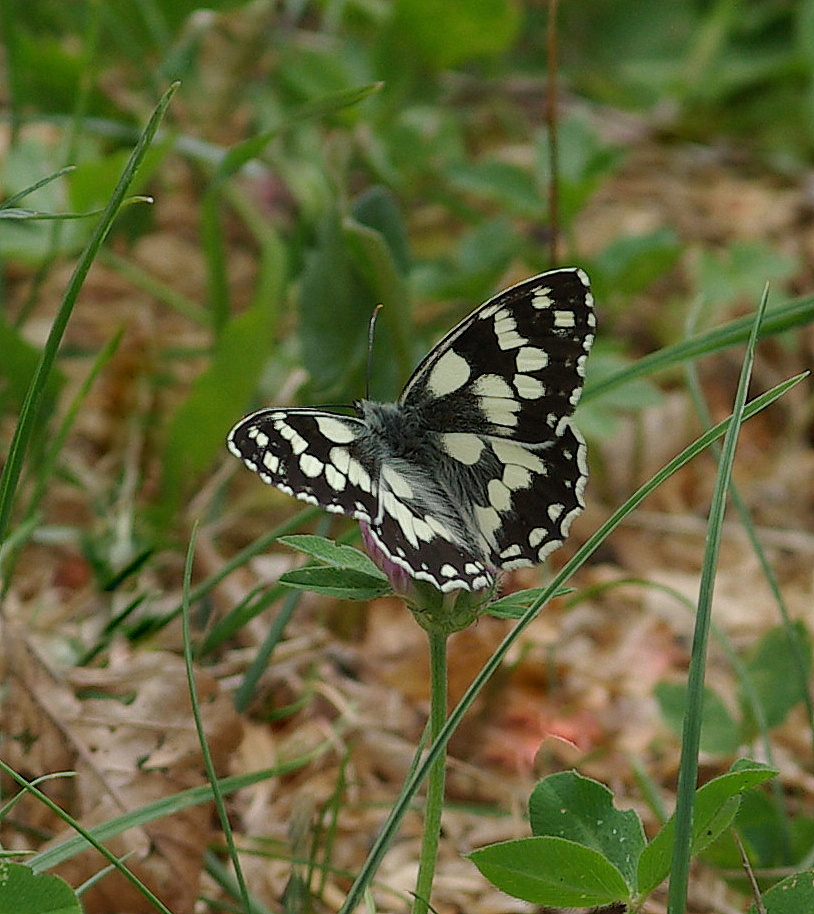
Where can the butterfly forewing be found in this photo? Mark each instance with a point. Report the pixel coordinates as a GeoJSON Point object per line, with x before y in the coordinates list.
{"type": "Point", "coordinates": [515, 366]}
{"type": "Point", "coordinates": [306, 453]}
{"type": "Point", "coordinates": [477, 467]}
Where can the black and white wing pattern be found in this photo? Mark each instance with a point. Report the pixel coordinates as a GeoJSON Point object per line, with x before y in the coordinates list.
{"type": "Point", "coordinates": [478, 466]}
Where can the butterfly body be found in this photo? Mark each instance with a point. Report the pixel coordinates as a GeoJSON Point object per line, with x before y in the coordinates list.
{"type": "Point", "coordinates": [477, 467]}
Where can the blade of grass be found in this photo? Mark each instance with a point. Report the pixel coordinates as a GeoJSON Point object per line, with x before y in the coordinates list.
{"type": "Point", "coordinates": [688, 768]}
{"type": "Point", "coordinates": [413, 782]}
{"type": "Point", "coordinates": [45, 467]}
{"type": "Point", "coordinates": [90, 44]}
{"type": "Point", "coordinates": [11, 201]}
{"type": "Point", "coordinates": [258, 666]}
{"type": "Point", "coordinates": [199, 725]}
{"type": "Point", "coordinates": [29, 413]}
{"type": "Point", "coordinates": [201, 590]}
{"type": "Point", "coordinates": [744, 678]}
{"type": "Point", "coordinates": [161, 291]}
{"type": "Point", "coordinates": [86, 835]}
{"type": "Point", "coordinates": [166, 806]}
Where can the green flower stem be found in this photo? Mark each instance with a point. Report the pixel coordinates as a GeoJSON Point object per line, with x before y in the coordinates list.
{"type": "Point", "coordinates": [435, 782]}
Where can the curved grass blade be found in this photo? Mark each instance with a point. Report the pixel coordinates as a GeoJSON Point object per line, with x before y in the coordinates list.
{"type": "Point", "coordinates": [30, 411]}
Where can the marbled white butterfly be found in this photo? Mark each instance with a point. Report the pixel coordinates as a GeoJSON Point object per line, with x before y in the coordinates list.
{"type": "Point", "coordinates": [477, 467]}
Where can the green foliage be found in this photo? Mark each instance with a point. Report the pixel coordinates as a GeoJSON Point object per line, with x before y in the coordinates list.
{"type": "Point", "coordinates": [199, 427]}
{"type": "Point", "coordinates": [581, 810]}
{"type": "Point", "coordinates": [778, 671]}
{"type": "Point", "coordinates": [790, 896]}
{"type": "Point", "coordinates": [342, 572]}
{"type": "Point", "coordinates": [726, 68]}
{"type": "Point", "coordinates": [445, 33]}
{"type": "Point", "coordinates": [23, 892]}
{"type": "Point", "coordinates": [771, 686]}
{"type": "Point", "coordinates": [720, 734]}
{"type": "Point", "coordinates": [587, 852]}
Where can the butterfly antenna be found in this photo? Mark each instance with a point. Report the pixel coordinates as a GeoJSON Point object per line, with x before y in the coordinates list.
{"type": "Point", "coordinates": [370, 334]}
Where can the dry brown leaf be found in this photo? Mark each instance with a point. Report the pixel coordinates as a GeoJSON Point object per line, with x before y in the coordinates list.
{"type": "Point", "coordinates": [128, 733]}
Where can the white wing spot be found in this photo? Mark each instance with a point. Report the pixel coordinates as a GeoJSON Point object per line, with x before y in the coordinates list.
{"type": "Point", "coordinates": [488, 521]}
{"type": "Point", "coordinates": [509, 452]}
{"type": "Point", "coordinates": [448, 571]}
{"type": "Point", "coordinates": [511, 551]}
{"type": "Point", "coordinates": [492, 385]}
{"type": "Point", "coordinates": [527, 387]}
{"type": "Point", "coordinates": [271, 462]}
{"type": "Point", "coordinates": [261, 438]}
{"type": "Point", "coordinates": [529, 358]}
{"type": "Point", "coordinates": [489, 310]}
{"type": "Point", "coordinates": [449, 374]}
{"type": "Point", "coordinates": [499, 411]}
{"type": "Point", "coordinates": [439, 529]}
{"type": "Point", "coordinates": [505, 328]}
{"type": "Point", "coordinates": [537, 535]}
{"type": "Point", "coordinates": [511, 340]}
{"type": "Point", "coordinates": [358, 475]}
{"type": "Point", "coordinates": [335, 430]}
{"type": "Point", "coordinates": [397, 483]}
{"type": "Point", "coordinates": [555, 511]}
{"type": "Point", "coordinates": [500, 496]}
{"type": "Point", "coordinates": [541, 298]}
{"type": "Point", "coordinates": [465, 447]}
{"type": "Point", "coordinates": [298, 444]}
{"type": "Point", "coordinates": [340, 458]}
{"type": "Point", "coordinates": [334, 478]}
{"type": "Point", "coordinates": [311, 466]}
{"type": "Point", "coordinates": [422, 529]}
{"type": "Point", "coordinates": [516, 563]}
{"type": "Point", "coordinates": [564, 320]}
{"type": "Point", "coordinates": [516, 477]}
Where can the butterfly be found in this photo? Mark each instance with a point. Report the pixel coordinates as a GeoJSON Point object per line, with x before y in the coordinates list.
{"type": "Point", "coordinates": [477, 467]}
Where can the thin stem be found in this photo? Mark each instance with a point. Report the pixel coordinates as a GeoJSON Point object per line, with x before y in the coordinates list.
{"type": "Point", "coordinates": [553, 147]}
{"type": "Point", "coordinates": [435, 781]}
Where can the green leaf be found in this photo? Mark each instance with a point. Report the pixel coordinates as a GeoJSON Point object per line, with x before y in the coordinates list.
{"type": "Point", "coordinates": [198, 429]}
{"type": "Point", "coordinates": [551, 871]}
{"type": "Point", "coordinates": [447, 32]}
{"type": "Point", "coordinates": [778, 669]}
{"type": "Point", "coordinates": [793, 895]}
{"type": "Point", "coordinates": [376, 265]}
{"type": "Point", "coordinates": [24, 892]}
{"type": "Point", "coordinates": [17, 368]}
{"type": "Point", "coordinates": [741, 271]}
{"type": "Point", "coordinates": [628, 265]}
{"type": "Point", "coordinates": [331, 553]}
{"type": "Point", "coordinates": [514, 605]}
{"type": "Point", "coordinates": [568, 805]}
{"type": "Point", "coordinates": [511, 187]}
{"type": "Point", "coordinates": [343, 583]}
{"type": "Point", "coordinates": [243, 152]}
{"type": "Point", "coordinates": [334, 310]}
{"type": "Point", "coordinates": [716, 804]}
{"type": "Point", "coordinates": [720, 733]}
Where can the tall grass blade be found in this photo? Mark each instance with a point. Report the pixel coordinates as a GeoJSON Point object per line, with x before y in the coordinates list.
{"type": "Point", "coordinates": [29, 414]}
{"type": "Point", "coordinates": [688, 770]}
